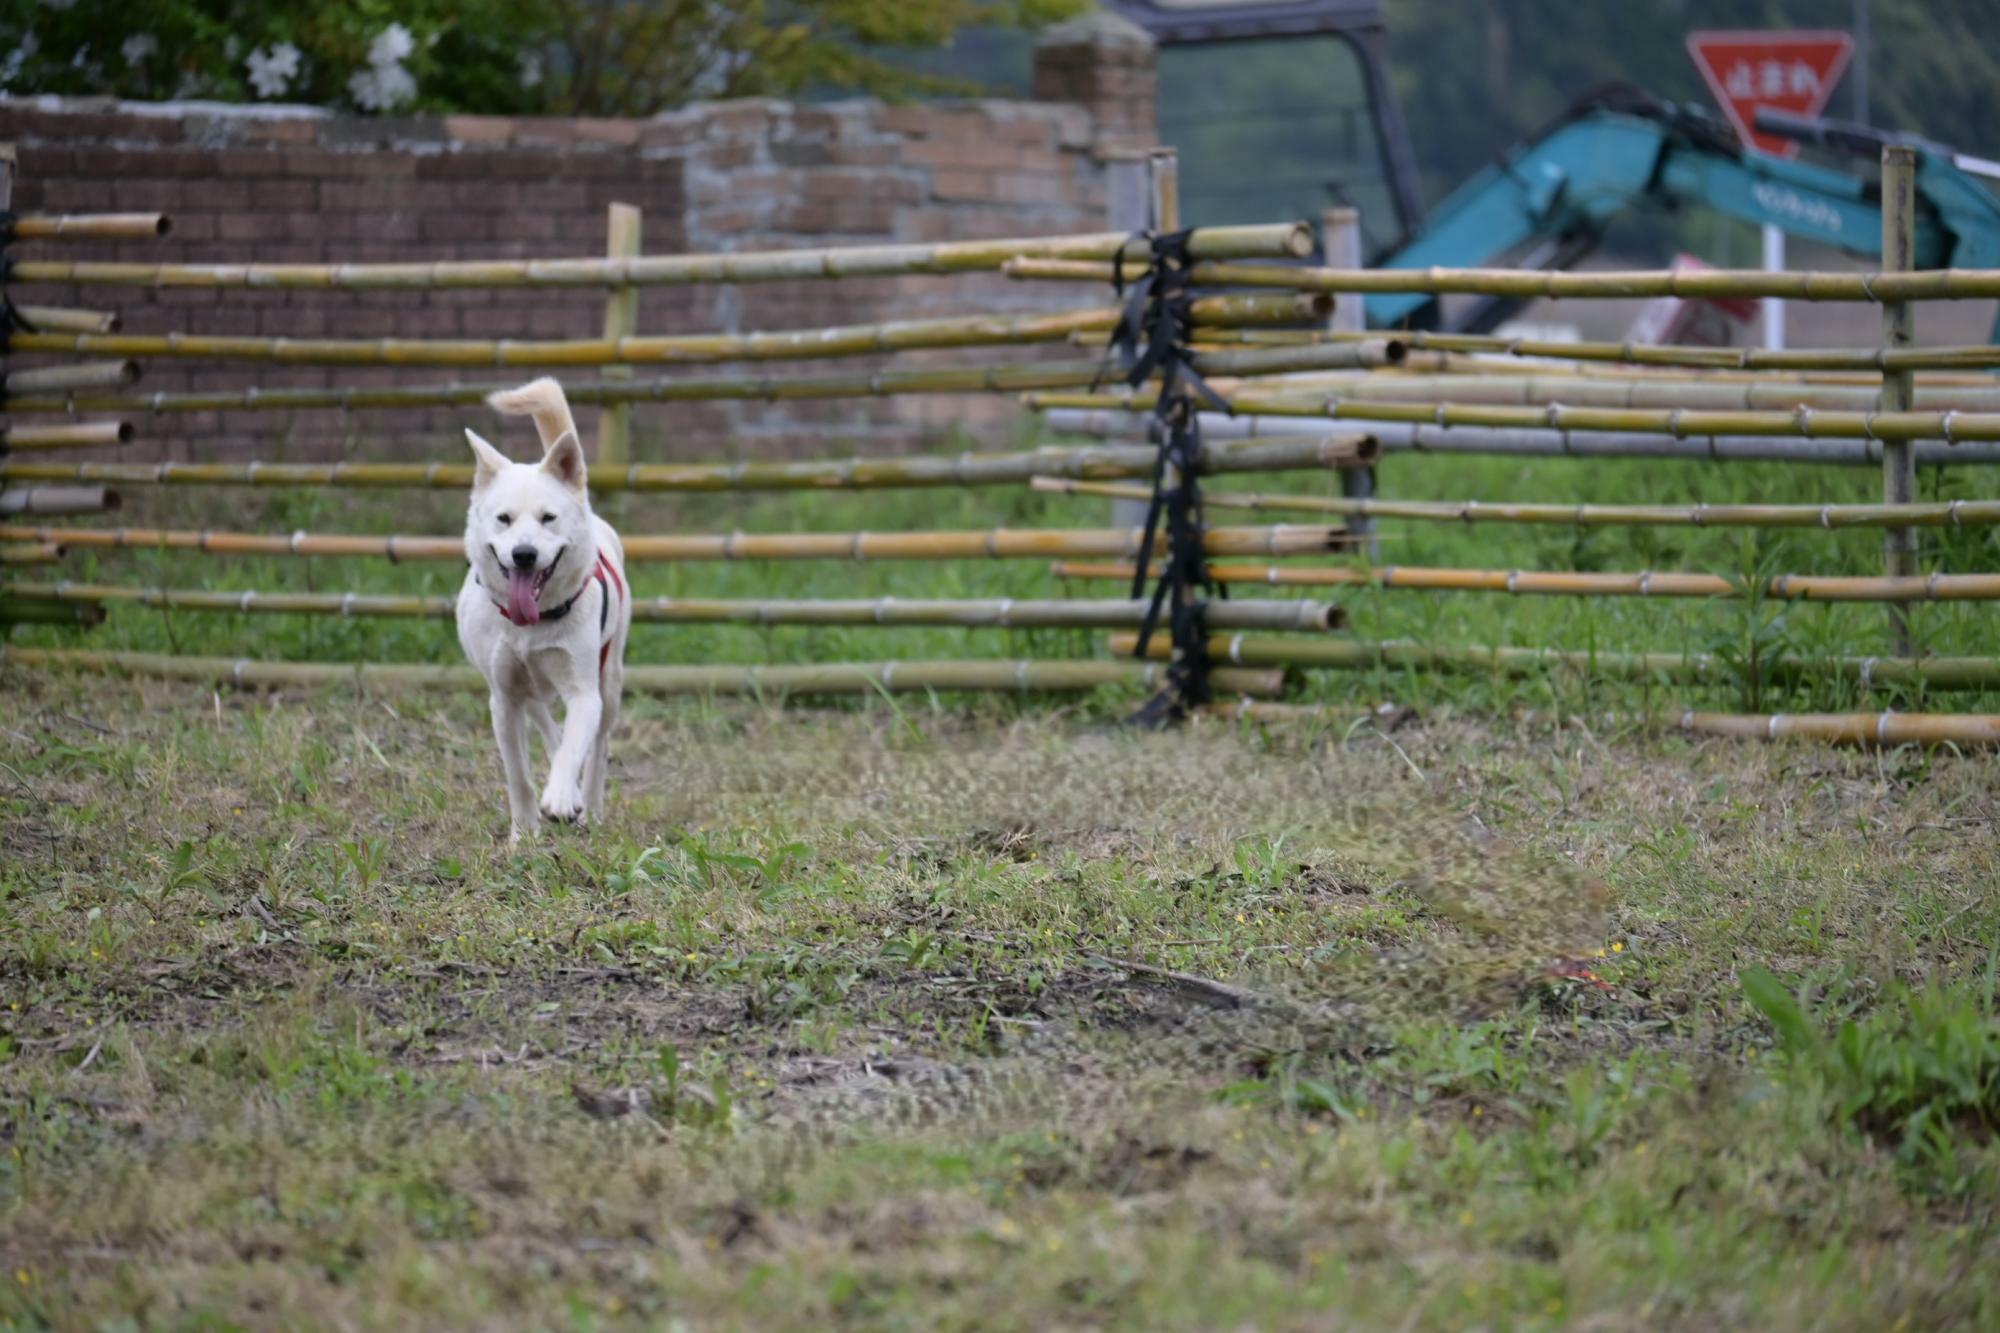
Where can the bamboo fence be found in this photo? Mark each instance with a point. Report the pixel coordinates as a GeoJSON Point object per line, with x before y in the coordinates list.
{"type": "Point", "coordinates": [1679, 422]}
{"type": "Point", "coordinates": [88, 227]}
{"type": "Point", "coordinates": [997, 543]}
{"type": "Point", "coordinates": [1540, 442]}
{"type": "Point", "coordinates": [1937, 673]}
{"type": "Point", "coordinates": [672, 349]}
{"type": "Point", "coordinates": [1023, 677]}
{"type": "Point", "coordinates": [1008, 378]}
{"type": "Point", "coordinates": [1284, 241]}
{"type": "Point", "coordinates": [885, 612]}
{"type": "Point", "coordinates": [1951, 513]}
{"type": "Point", "coordinates": [1297, 453]}
{"type": "Point", "coordinates": [1529, 582]}
{"type": "Point", "coordinates": [79, 435]}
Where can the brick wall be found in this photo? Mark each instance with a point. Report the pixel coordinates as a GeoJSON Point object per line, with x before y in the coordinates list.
{"type": "Point", "coordinates": [294, 184]}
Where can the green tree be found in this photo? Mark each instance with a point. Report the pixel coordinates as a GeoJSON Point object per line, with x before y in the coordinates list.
{"type": "Point", "coordinates": [584, 57]}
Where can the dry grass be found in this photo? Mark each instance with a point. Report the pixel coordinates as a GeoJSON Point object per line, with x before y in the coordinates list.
{"type": "Point", "coordinates": [832, 1024]}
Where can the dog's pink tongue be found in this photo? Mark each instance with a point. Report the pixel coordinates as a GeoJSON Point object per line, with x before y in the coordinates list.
{"type": "Point", "coordinates": [521, 597]}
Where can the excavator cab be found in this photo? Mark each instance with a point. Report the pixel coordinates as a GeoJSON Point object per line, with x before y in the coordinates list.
{"type": "Point", "coordinates": [1280, 109]}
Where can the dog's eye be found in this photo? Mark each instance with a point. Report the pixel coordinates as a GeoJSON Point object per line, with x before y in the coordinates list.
{"type": "Point", "coordinates": [548, 518]}
{"type": "Point", "coordinates": [503, 519]}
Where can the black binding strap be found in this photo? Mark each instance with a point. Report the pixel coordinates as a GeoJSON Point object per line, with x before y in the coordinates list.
{"type": "Point", "coordinates": [1151, 339]}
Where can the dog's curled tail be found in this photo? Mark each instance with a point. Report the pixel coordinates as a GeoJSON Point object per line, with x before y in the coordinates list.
{"type": "Point", "coordinates": [542, 399]}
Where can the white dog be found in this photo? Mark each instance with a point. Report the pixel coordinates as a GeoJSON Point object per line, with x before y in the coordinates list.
{"type": "Point", "coordinates": [544, 613]}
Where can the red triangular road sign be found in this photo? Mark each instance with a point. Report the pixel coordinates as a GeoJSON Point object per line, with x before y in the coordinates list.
{"type": "Point", "coordinates": [1792, 71]}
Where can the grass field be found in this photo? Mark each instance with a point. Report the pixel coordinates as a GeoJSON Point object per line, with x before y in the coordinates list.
{"type": "Point", "coordinates": [988, 1018]}
{"type": "Point", "coordinates": [951, 1013]}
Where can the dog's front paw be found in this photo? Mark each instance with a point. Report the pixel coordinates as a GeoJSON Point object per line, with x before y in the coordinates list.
{"type": "Point", "coordinates": [562, 800]}
{"type": "Point", "coordinates": [521, 833]}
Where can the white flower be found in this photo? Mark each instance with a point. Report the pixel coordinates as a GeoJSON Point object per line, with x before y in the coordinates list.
{"type": "Point", "coordinates": [391, 46]}
{"type": "Point", "coordinates": [18, 57]}
{"type": "Point", "coordinates": [531, 69]}
{"type": "Point", "coordinates": [382, 88]}
{"type": "Point", "coordinates": [272, 71]}
{"type": "Point", "coordinates": [139, 47]}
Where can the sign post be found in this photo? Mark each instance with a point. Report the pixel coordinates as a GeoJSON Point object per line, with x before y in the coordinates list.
{"type": "Point", "coordinates": [1791, 71]}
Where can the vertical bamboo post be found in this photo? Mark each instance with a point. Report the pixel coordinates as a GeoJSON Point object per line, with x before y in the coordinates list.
{"type": "Point", "coordinates": [1128, 192]}
{"type": "Point", "coordinates": [621, 320]}
{"type": "Point", "coordinates": [1340, 238]}
{"type": "Point", "coordinates": [1899, 468]}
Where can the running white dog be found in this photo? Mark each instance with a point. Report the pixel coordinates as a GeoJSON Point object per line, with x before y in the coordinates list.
{"type": "Point", "coordinates": [544, 613]}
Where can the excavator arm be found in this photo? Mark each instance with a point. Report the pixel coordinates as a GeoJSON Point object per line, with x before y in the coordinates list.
{"type": "Point", "coordinates": [1547, 202]}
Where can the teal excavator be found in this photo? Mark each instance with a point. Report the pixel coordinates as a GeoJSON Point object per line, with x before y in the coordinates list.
{"type": "Point", "coordinates": [1281, 107]}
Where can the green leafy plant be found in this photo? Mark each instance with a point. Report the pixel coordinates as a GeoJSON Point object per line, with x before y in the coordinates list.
{"type": "Point", "coordinates": [1922, 1072]}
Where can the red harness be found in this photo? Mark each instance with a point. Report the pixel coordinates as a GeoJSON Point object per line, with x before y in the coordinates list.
{"type": "Point", "coordinates": [607, 575]}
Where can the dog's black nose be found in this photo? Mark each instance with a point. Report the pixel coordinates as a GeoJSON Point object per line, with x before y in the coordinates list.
{"type": "Point", "coordinates": [524, 556]}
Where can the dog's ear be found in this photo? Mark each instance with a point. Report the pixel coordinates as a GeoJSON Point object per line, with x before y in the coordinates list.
{"type": "Point", "coordinates": [564, 460]}
{"type": "Point", "coordinates": [490, 462]}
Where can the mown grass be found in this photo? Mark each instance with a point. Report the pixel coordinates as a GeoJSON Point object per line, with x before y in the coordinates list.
{"type": "Point", "coordinates": [1740, 631]}
{"type": "Point", "coordinates": [832, 1024]}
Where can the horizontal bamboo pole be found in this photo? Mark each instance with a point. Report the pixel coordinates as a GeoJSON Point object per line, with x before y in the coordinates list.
{"type": "Point", "coordinates": [1006, 378]}
{"type": "Point", "coordinates": [1938, 673]}
{"type": "Point", "coordinates": [49, 379]}
{"type": "Point", "coordinates": [1604, 391]}
{"type": "Point", "coordinates": [62, 319]}
{"type": "Point", "coordinates": [1289, 240]}
{"type": "Point", "coordinates": [1540, 442]}
{"type": "Point", "coordinates": [887, 612]}
{"type": "Point", "coordinates": [1979, 357]}
{"type": "Point", "coordinates": [1954, 513]}
{"type": "Point", "coordinates": [1967, 729]}
{"type": "Point", "coordinates": [1025, 677]}
{"type": "Point", "coordinates": [89, 227]}
{"type": "Point", "coordinates": [1297, 453]}
{"type": "Point", "coordinates": [58, 500]}
{"type": "Point", "coordinates": [1680, 422]}
{"type": "Point", "coordinates": [16, 609]}
{"type": "Point", "coordinates": [1873, 729]}
{"type": "Point", "coordinates": [1529, 582]}
{"type": "Point", "coordinates": [676, 349]}
{"type": "Point", "coordinates": [79, 435]}
{"type": "Point", "coordinates": [998, 543]}
{"type": "Point", "coordinates": [40, 553]}
{"type": "Point", "coordinates": [1556, 284]}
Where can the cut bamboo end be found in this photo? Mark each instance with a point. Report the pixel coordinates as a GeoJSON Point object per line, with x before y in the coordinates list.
{"type": "Point", "coordinates": [771, 682]}
{"type": "Point", "coordinates": [82, 435]}
{"type": "Point", "coordinates": [20, 610]}
{"type": "Point", "coordinates": [62, 319]}
{"type": "Point", "coordinates": [85, 375]}
{"type": "Point", "coordinates": [57, 500]}
{"type": "Point", "coordinates": [91, 226]}
{"type": "Point", "coordinates": [39, 553]}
